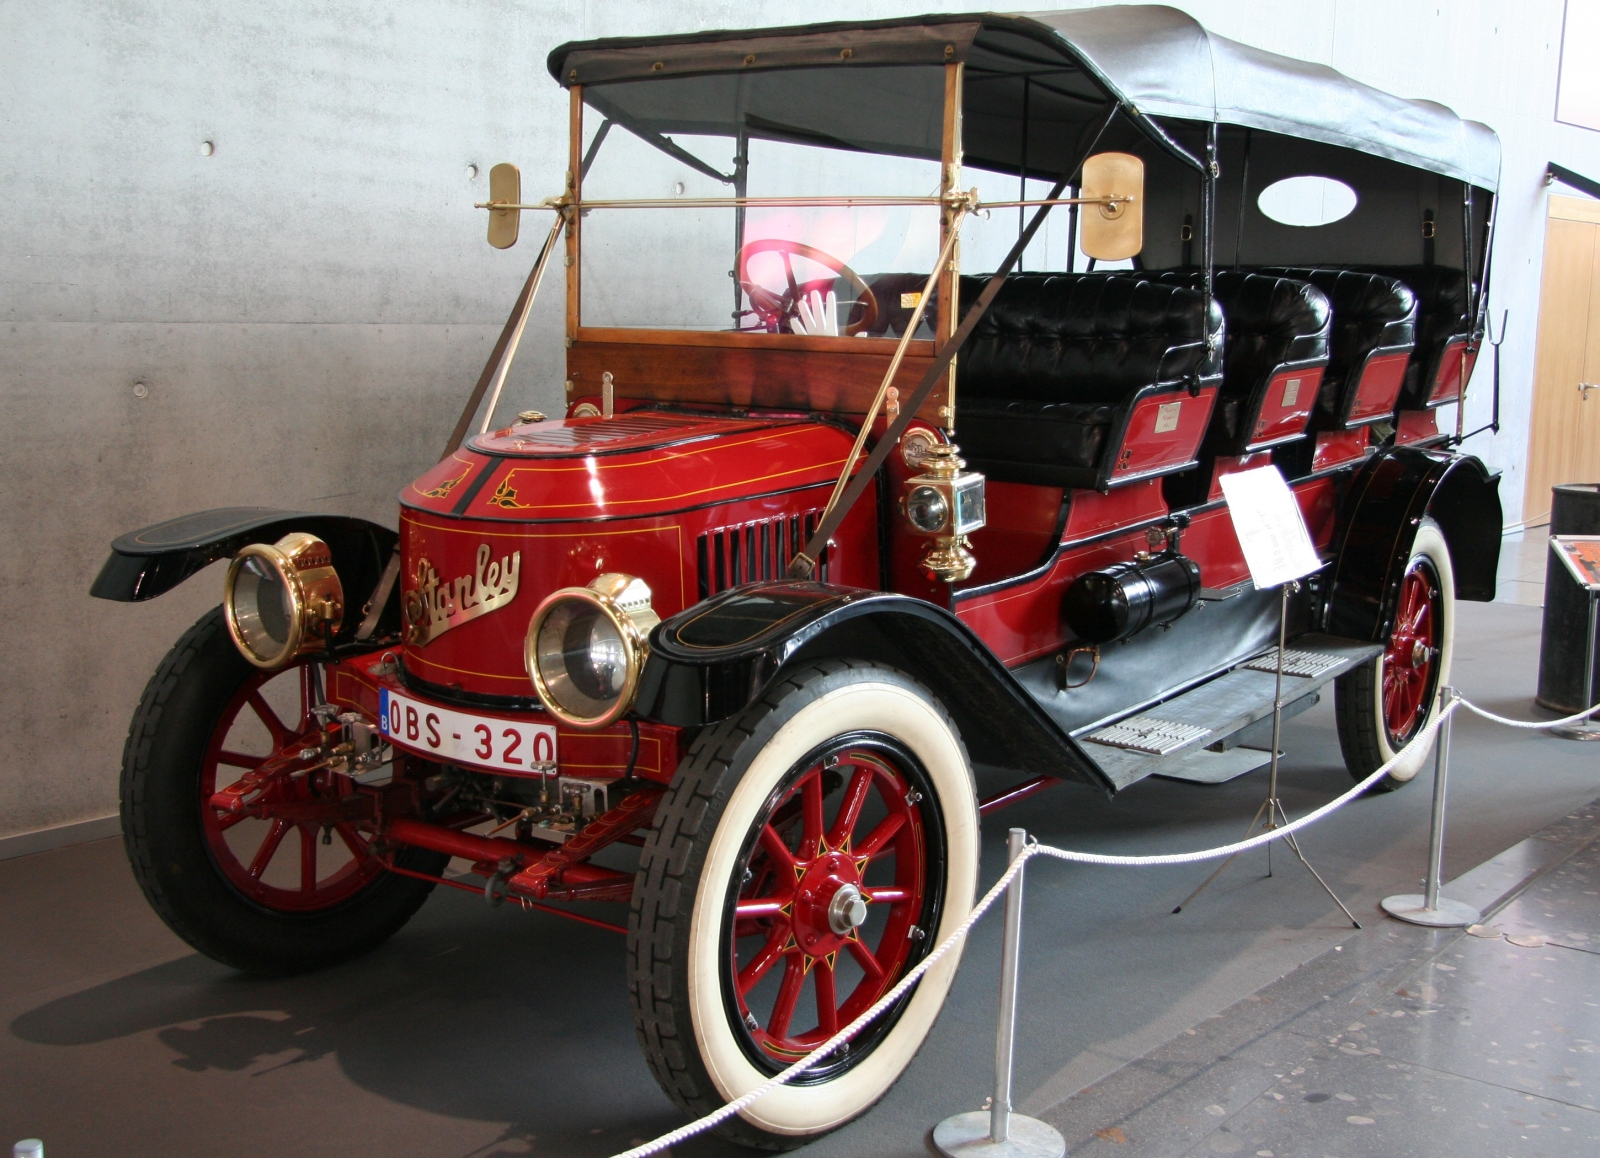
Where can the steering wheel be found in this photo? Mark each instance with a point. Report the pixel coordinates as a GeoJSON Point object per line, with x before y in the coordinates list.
{"type": "Point", "coordinates": [776, 311]}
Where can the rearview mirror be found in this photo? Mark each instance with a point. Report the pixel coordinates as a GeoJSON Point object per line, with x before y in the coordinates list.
{"type": "Point", "coordinates": [505, 188]}
{"type": "Point", "coordinates": [1114, 230]}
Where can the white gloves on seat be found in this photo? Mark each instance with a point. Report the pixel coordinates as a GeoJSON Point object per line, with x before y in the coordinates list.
{"type": "Point", "coordinates": [818, 315]}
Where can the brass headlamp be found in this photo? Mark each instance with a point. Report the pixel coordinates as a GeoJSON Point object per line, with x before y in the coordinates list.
{"type": "Point", "coordinates": [282, 599]}
{"type": "Point", "coordinates": [586, 648]}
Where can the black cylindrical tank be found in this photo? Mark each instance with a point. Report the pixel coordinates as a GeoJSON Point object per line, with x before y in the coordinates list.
{"type": "Point", "coordinates": [1124, 599]}
{"type": "Point", "coordinates": [1574, 510]}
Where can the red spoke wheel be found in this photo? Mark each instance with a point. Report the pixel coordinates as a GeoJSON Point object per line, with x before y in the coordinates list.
{"type": "Point", "coordinates": [837, 901]}
{"type": "Point", "coordinates": [291, 851]}
{"type": "Point", "coordinates": [1384, 705]}
{"type": "Point", "coordinates": [286, 884]}
{"type": "Point", "coordinates": [807, 855]}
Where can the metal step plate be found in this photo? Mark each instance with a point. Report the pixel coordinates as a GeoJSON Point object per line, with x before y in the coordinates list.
{"type": "Point", "coordinates": [1306, 664]}
{"type": "Point", "coordinates": [1150, 734]}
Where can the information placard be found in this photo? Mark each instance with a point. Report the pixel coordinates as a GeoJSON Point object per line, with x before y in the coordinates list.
{"type": "Point", "coordinates": [1272, 532]}
{"type": "Point", "coordinates": [1581, 556]}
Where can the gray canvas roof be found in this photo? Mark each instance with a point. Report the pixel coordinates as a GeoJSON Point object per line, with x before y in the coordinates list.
{"type": "Point", "coordinates": [1166, 64]}
{"type": "Point", "coordinates": [1157, 60]}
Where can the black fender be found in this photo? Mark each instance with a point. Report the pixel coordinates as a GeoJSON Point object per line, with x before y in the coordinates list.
{"type": "Point", "coordinates": [152, 561]}
{"type": "Point", "coordinates": [1384, 504]}
{"type": "Point", "coordinates": [712, 660]}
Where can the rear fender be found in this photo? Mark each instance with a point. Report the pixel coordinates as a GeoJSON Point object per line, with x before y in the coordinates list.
{"type": "Point", "coordinates": [1386, 502]}
{"type": "Point", "coordinates": [712, 660]}
{"type": "Point", "coordinates": [154, 560]}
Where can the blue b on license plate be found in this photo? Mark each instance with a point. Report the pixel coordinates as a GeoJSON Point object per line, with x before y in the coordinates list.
{"type": "Point", "coordinates": [499, 743]}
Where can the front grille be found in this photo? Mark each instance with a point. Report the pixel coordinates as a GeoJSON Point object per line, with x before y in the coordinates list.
{"type": "Point", "coordinates": [753, 552]}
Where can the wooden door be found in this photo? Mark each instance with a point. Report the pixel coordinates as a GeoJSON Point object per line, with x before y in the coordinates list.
{"type": "Point", "coordinates": [1564, 439]}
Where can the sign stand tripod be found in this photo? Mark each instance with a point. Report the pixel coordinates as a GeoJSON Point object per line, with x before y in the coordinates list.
{"type": "Point", "coordinates": [1278, 550]}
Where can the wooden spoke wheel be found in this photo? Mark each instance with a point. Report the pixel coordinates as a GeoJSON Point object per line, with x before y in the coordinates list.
{"type": "Point", "coordinates": [284, 884]}
{"type": "Point", "coordinates": [1384, 705]}
{"type": "Point", "coordinates": [808, 853]}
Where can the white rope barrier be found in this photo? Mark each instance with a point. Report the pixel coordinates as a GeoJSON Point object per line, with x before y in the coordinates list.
{"type": "Point", "coordinates": [1424, 737]}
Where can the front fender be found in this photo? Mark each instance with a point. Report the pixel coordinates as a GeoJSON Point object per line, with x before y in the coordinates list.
{"type": "Point", "coordinates": [714, 659]}
{"type": "Point", "coordinates": [1387, 500]}
{"type": "Point", "coordinates": [154, 560]}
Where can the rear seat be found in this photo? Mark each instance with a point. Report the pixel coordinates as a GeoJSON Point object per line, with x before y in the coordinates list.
{"type": "Point", "coordinates": [1374, 333]}
{"type": "Point", "coordinates": [1086, 380]}
{"type": "Point", "coordinates": [1444, 331]}
{"type": "Point", "coordinates": [1273, 359]}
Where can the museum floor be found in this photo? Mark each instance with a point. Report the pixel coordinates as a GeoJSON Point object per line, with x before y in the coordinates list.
{"type": "Point", "coordinates": [1255, 1022]}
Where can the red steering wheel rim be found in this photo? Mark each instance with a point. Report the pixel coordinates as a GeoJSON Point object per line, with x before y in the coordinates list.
{"type": "Point", "coordinates": [776, 309]}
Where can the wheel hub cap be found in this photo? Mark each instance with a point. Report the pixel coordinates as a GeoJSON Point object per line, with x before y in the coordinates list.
{"type": "Point", "coordinates": [847, 910]}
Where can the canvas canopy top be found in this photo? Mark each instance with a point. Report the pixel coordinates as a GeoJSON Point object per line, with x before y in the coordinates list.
{"type": "Point", "coordinates": [841, 84]}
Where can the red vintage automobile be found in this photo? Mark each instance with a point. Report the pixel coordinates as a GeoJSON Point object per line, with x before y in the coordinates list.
{"type": "Point", "coordinates": [904, 361]}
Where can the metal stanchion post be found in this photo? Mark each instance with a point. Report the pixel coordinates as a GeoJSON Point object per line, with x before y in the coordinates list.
{"type": "Point", "coordinates": [997, 1132]}
{"type": "Point", "coordinates": [1431, 909]}
{"type": "Point", "coordinates": [28, 1148]}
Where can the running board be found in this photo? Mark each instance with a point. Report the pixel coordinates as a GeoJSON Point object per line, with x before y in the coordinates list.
{"type": "Point", "coordinates": [1171, 738]}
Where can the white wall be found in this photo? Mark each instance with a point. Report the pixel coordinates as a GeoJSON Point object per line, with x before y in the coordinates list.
{"type": "Point", "coordinates": [306, 306]}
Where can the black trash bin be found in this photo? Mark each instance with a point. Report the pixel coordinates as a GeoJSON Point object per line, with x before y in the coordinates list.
{"type": "Point", "coordinates": [1574, 510]}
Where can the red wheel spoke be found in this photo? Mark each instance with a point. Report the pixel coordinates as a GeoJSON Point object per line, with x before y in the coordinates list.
{"type": "Point", "coordinates": [850, 808]}
{"type": "Point", "coordinates": [280, 730]}
{"type": "Point", "coordinates": [794, 976]}
{"type": "Point", "coordinates": [308, 857]}
{"type": "Point", "coordinates": [777, 852]}
{"type": "Point", "coordinates": [887, 895]}
{"type": "Point", "coordinates": [881, 835]}
{"type": "Point", "coordinates": [352, 838]}
{"type": "Point", "coordinates": [269, 848]}
{"type": "Point", "coordinates": [240, 759]}
{"type": "Point", "coordinates": [762, 907]}
{"type": "Point", "coordinates": [865, 958]}
{"type": "Point", "coordinates": [769, 956]}
{"type": "Point", "coordinates": [811, 828]}
{"type": "Point", "coordinates": [827, 998]}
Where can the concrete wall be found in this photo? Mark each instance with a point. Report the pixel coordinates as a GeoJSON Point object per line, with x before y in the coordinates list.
{"type": "Point", "coordinates": [293, 318]}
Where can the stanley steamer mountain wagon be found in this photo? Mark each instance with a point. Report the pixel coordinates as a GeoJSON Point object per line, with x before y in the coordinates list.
{"type": "Point", "coordinates": [724, 640]}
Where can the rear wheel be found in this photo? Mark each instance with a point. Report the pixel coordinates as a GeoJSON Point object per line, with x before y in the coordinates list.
{"type": "Point", "coordinates": [286, 885]}
{"type": "Point", "coordinates": [806, 856]}
{"type": "Point", "coordinates": [1382, 706]}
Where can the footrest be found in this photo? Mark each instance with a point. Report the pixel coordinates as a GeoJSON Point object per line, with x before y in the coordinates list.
{"type": "Point", "coordinates": [1306, 664]}
{"type": "Point", "coordinates": [1149, 734]}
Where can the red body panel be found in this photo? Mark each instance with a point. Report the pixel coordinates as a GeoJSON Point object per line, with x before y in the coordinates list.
{"type": "Point", "coordinates": [1416, 426]}
{"type": "Point", "coordinates": [1165, 431]}
{"type": "Point", "coordinates": [1381, 379]}
{"type": "Point", "coordinates": [1291, 395]}
{"type": "Point", "coordinates": [1448, 380]}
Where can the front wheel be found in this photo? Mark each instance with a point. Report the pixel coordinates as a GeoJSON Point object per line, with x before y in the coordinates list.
{"type": "Point", "coordinates": [1382, 706]}
{"type": "Point", "coordinates": [807, 854]}
{"type": "Point", "coordinates": [288, 884]}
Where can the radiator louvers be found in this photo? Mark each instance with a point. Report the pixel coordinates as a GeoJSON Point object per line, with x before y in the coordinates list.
{"type": "Point", "coordinates": [751, 552]}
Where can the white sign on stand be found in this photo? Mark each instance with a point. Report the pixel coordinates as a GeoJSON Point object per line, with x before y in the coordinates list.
{"type": "Point", "coordinates": [1272, 532]}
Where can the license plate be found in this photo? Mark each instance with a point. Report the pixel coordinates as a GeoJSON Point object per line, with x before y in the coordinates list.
{"type": "Point", "coordinates": [492, 742]}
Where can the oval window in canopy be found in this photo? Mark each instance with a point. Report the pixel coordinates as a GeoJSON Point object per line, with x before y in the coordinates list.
{"type": "Point", "coordinates": [1307, 201]}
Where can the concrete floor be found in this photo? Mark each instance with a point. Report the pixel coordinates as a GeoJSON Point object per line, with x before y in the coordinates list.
{"type": "Point", "coordinates": [479, 1033]}
{"type": "Point", "coordinates": [1524, 554]}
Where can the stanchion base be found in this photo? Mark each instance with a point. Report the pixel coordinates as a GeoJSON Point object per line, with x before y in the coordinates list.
{"type": "Point", "coordinates": [967, 1136]}
{"type": "Point", "coordinates": [1576, 732]}
{"type": "Point", "coordinates": [1448, 915]}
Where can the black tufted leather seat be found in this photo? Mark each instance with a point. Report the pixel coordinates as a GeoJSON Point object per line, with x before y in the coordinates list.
{"type": "Point", "coordinates": [1274, 324]}
{"type": "Point", "coordinates": [1443, 305]}
{"type": "Point", "coordinates": [1049, 378]}
{"type": "Point", "coordinates": [1373, 317]}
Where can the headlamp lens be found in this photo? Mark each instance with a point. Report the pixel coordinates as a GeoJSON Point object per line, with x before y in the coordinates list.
{"type": "Point", "coordinates": [582, 657]}
{"type": "Point", "coordinates": [263, 608]}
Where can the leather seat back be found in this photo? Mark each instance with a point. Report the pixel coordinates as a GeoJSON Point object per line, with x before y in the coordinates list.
{"type": "Point", "coordinates": [1443, 315]}
{"type": "Point", "coordinates": [1086, 337]}
{"type": "Point", "coordinates": [1270, 319]}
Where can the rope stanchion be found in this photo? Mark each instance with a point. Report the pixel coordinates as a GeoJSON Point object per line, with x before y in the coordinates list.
{"type": "Point", "coordinates": [1031, 848]}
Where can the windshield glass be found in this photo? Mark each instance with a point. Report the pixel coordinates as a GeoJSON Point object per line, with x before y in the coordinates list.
{"type": "Point", "coordinates": [845, 270]}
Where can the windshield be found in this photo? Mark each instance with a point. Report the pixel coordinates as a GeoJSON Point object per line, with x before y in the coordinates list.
{"type": "Point", "coordinates": [826, 270]}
